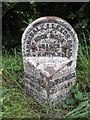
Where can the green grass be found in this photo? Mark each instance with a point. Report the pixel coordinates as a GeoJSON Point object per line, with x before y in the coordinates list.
{"type": "Point", "coordinates": [17, 104]}
{"type": "Point", "coordinates": [81, 91]}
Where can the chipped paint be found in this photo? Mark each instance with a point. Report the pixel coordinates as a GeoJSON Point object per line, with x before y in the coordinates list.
{"type": "Point", "coordinates": [49, 48]}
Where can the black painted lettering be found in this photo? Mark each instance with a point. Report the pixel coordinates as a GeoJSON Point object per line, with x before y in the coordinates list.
{"type": "Point", "coordinates": [58, 27]}
{"type": "Point", "coordinates": [67, 36]}
{"type": "Point", "coordinates": [65, 32]}
{"type": "Point", "coordinates": [53, 26]}
{"type": "Point", "coordinates": [61, 29]}
{"type": "Point", "coordinates": [35, 31]}
{"type": "Point", "coordinates": [31, 34]}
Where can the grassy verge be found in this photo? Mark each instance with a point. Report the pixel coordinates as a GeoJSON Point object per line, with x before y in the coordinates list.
{"type": "Point", "coordinates": [81, 91]}
{"type": "Point", "coordinates": [17, 104]}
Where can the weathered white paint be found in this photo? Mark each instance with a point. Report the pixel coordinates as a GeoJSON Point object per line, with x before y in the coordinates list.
{"type": "Point", "coordinates": [49, 48]}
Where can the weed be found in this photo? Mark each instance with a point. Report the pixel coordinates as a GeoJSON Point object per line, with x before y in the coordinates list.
{"type": "Point", "coordinates": [17, 104]}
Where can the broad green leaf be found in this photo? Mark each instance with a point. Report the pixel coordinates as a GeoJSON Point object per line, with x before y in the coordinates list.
{"type": "Point", "coordinates": [79, 95]}
{"type": "Point", "coordinates": [69, 101]}
{"type": "Point", "coordinates": [64, 105]}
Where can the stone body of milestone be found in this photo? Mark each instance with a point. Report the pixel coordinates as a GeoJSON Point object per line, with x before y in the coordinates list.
{"type": "Point", "coordinates": [49, 48]}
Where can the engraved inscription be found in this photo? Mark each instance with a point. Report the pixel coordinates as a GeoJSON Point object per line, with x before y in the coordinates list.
{"type": "Point", "coordinates": [49, 48]}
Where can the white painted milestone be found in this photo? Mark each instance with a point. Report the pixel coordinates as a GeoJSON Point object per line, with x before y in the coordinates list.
{"type": "Point", "coordinates": [49, 48]}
